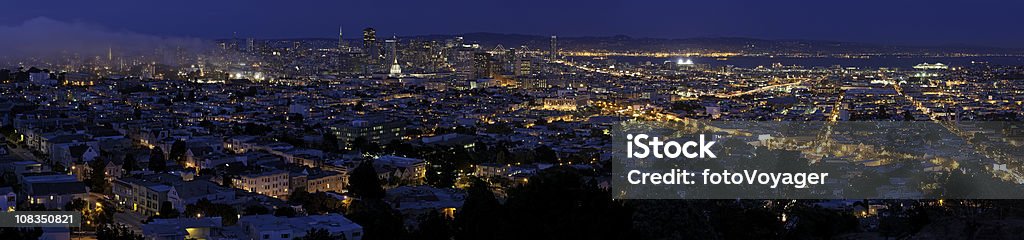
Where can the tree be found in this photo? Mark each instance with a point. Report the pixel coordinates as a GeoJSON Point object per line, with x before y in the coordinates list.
{"type": "Point", "coordinates": [378, 219]}
{"type": "Point", "coordinates": [205, 208]}
{"type": "Point", "coordinates": [558, 204]}
{"type": "Point", "coordinates": [445, 164]}
{"type": "Point", "coordinates": [364, 145]}
{"type": "Point", "coordinates": [364, 182]}
{"type": "Point", "coordinates": [106, 214]}
{"type": "Point", "coordinates": [316, 203]}
{"type": "Point", "coordinates": [285, 212]}
{"type": "Point", "coordinates": [129, 164]}
{"type": "Point", "coordinates": [432, 226]}
{"type": "Point", "coordinates": [20, 233]}
{"type": "Point", "coordinates": [318, 234]}
{"type": "Point", "coordinates": [177, 153]}
{"type": "Point", "coordinates": [75, 205]}
{"type": "Point", "coordinates": [815, 223]}
{"type": "Point", "coordinates": [295, 118]}
{"type": "Point", "coordinates": [481, 214]}
{"type": "Point", "coordinates": [330, 142]}
{"type": "Point", "coordinates": [116, 232]}
{"type": "Point", "coordinates": [226, 181]}
{"type": "Point", "coordinates": [545, 154]}
{"type": "Point", "coordinates": [137, 114]}
{"type": "Point", "coordinates": [167, 210]}
{"type": "Point", "coordinates": [97, 178]}
{"type": "Point", "coordinates": [157, 163]}
{"type": "Point", "coordinates": [397, 147]}
{"type": "Point", "coordinates": [255, 210]}
{"type": "Point", "coordinates": [442, 170]}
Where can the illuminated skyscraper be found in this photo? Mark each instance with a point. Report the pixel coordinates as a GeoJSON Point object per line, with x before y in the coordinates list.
{"type": "Point", "coordinates": [250, 44]}
{"type": "Point", "coordinates": [554, 47]}
{"type": "Point", "coordinates": [234, 41]}
{"type": "Point", "coordinates": [373, 63]}
{"type": "Point", "coordinates": [341, 41]}
{"type": "Point", "coordinates": [391, 50]}
{"type": "Point", "coordinates": [369, 38]}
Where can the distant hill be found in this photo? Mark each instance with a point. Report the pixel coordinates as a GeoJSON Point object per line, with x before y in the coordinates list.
{"type": "Point", "coordinates": [732, 44]}
{"type": "Point", "coordinates": [626, 43]}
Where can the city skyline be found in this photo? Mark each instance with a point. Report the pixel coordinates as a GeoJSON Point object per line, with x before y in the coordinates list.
{"type": "Point", "coordinates": [464, 120]}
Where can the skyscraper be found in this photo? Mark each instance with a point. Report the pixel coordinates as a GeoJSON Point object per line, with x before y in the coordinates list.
{"type": "Point", "coordinates": [554, 47]}
{"type": "Point", "coordinates": [391, 50]}
{"type": "Point", "coordinates": [373, 63]}
{"type": "Point", "coordinates": [369, 38]}
{"type": "Point", "coordinates": [391, 56]}
{"type": "Point", "coordinates": [341, 41]}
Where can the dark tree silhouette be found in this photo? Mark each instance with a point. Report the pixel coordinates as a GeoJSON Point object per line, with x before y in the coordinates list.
{"type": "Point", "coordinates": [546, 155]}
{"type": "Point", "coordinates": [129, 164]}
{"type": "Point", "coordinates": [285, 212]}
{"type": "Point", "coordinates": [98, 178]}
{"type": "Point", "coordinates": [115, 232]}
{"type": "Point", "coordinates": [330, 142]}
{"type": "Point", "coordinates": [364, 182]}
{"type": "Point", "coordinates": [318, 234]}
{"type": "Point", "coordinates": [433, 226]}
{"type": "Point", "coordinates": [167, 210]}
{"type": "Point", "coordinates": [255, 210]}
{"type": "Point", "coordinates": [378, 219]}
{"type": "Point", "coordinates": [177, 153]}
{"type": "Point", "coordinates": [157, 163]}
{"type": "Point", "coordinates": [227, 213]}
{"type": "Point", "coordinates": [558, 204]}
{"type": "Point", "coordinates": [481, 214]}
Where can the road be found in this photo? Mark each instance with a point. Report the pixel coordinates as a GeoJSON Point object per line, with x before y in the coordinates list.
{"type": "Point", "coordinates": [132, 220]}
{"type": "Point", "coordinates": [757, 90]}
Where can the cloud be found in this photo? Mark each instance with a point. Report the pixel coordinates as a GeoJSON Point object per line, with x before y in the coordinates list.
{"type": "Point", "coordinates": [44, 37]}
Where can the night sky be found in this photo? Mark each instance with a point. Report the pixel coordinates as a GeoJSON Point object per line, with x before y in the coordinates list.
{"type": "Point", "coordinates": [913, 22]}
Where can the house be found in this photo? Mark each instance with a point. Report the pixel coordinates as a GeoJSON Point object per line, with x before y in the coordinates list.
{"type": "Point", "coordinates": [192, 192]}
{"type": "Point", "coordinates": [68, 149]}
{"type": "Point", "coordinates": [241, 143]}
{"type": "Point", "coordinates": [415, 201]}
{"type": "Point", "coordinates": [202, 156]}
{"type": "Point", "coordinates": [273, 183]}
{"type": "Point", "coordinates": [270, 227]}
{"type": "Point", "coordinates": [20, 168]}
{"type": "Point", "coordinates": [395, 170]}
{"type": "Point", "coordinates": [145, 195]}
{"type": "Point", "coordinates": [8, 199]}
{"type": "Point", "coordinates": [114, 169]}
{"type": "Point", "coordinates": [326, 181]}
{"type": "Point", "coordinates": [82, 153]}
{"type": "Point", "coordinates": [53, 190]}
{"type": "Point", "coordinates": [182, 228]}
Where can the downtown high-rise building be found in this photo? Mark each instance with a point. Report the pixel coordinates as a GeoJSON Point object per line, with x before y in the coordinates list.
{"type": "Point", "coordinates": [391, 56]}
{"type": "Point", "coordinates": [391, 50]}
{"type": "Point", "coordinates": [342, 45]}
{"type": "Point", "coordinates": [373, 63]}
{"type": "Point", "coordinates": [554, 47]}
{"type": "Point", "coordinates": [369, 38]}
